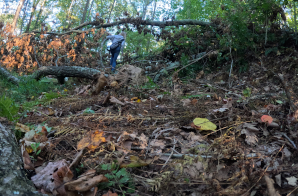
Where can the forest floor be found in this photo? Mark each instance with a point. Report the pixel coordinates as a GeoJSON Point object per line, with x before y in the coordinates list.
{"type": "Point", "coordinates": [146, 142]}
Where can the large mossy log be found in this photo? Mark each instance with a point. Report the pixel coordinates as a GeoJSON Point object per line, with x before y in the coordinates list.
{"type": "Point", "coordinates": [13, 180]}
{"type": "Point", "coordinates": [65, 71]}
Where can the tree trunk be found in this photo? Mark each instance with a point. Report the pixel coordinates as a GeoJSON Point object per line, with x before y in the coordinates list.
{"type": "Point", "coordinates": [35, 2]}
{"type": "Point", "coordinates": [111, 10]}
{"type": "Point", "coordinates": [9, 76]}
{"type": "Point", "coordinates": [16, 16]}
{"type": "Point", "coordinates": [65, 71]}
{"type": "Point", "coordinates": [90, 8]}
{"type": "Point", "coordinates": [85, 11]}
{"type": "Point", "coordinates": [13, 180]}
{"type": "Point", "coordinates": [136, 22]}
{"type": "Point", "coordinates": [153, 14]}
{"type": "Point", "coordinates": [39, 13]}
{"type": "Point", "coordinates": [24, 17]}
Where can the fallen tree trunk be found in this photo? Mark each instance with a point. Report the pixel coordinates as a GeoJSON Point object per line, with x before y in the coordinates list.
{"type": "Point", "coordinates": [133, 21]}
{"type": "Point", "coordinates": [9, 76]}
{"type": "Point", "coordinates": [13, 180]}
{"type": "Point", "coordinates": [65, 71]}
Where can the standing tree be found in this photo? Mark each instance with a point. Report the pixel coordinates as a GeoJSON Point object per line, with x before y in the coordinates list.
{"type": "Point", "coordinates": [16, 16]}
{"type": "Point", "coordinates": [85, 11]}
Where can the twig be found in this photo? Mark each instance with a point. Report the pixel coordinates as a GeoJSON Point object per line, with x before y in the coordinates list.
{"type": "Point", "coordinates": [196, 60]}
{"type": "Point", "coordinates": [230, 82]}
{"type": "Point", "coordinates": [264, 171]}
{"type": "Point", "coordinates": [285, 135]}
{"type": "Point", "coordinates": [170, 155]}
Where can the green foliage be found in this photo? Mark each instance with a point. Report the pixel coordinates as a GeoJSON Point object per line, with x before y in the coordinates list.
{"type": "Point", "coordinates": [117, 177]}
{"type": "Point", "coordinates": [149, 84]}
{"type": "Point", "coordinates": [88, 111]}
{"type": "Point", "coordinates": [8, 108]}
{"type": "Point", "coordinates": [34, 147]}
{"type": "Point", "coordinates": [246, 92]}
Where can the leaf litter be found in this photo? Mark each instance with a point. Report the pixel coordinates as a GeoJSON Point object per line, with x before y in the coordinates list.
{"type": "Point", "coordinates": [164, 143]}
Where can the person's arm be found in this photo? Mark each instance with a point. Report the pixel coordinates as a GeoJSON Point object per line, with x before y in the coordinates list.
{"type": "Point", "coordinates": [110, 36]}
{"type": "Point", "coordinates": [122, 46]}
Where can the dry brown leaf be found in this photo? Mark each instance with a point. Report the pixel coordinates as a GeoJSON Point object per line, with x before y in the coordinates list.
{"type": "Point", "coordinates": [22, 127]}
{"type": "Point", "coordinates": [26, 159]}
{"type": "Point", "coordinates": [194, 102]}
{"type": "Point", "coordinates": [62, 175]}
{"type": "Point", "coordinates": [114, 100]}
{"type": "Point", "coordinates": [186, 102]}
{"type": "Point", "coordinates": [86, 182]}
{"type": "Point", "coordinates": [109, 193]}
{"type": "Point", "coordinates": [92, 140]}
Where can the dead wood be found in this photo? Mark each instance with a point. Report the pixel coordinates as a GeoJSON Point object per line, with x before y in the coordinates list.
{"type": "Point", "coordinates": [13, 180]}
{"type": "Point", "coordinates": [133, 21]}
{"type": "Point", "coordinates": [9, 76]}
{"type": "Point", "coordinates": [65, 71]}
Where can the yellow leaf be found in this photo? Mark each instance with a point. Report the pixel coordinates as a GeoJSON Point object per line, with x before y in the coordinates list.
{"type": "Point", "coordinates": [29, 149]}
{"type": "Point", "coordinates": [204, 124]}
{"type": "Point", "coordinates": [134, 99]}
{"type": "Point", "coordinates": [65, 90]}
{"type": "Point", "coordinates": [92, 140]}
{"type": "Point", "coordinates": [135, 162]}
{"type": "Point", "coordinates": [32, 97]}
{"type": "Point", "coordinates": [139, 100]}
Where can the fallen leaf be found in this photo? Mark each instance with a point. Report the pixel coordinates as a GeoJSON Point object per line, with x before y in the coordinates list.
{"type": "Point", "coordinates": [134, 98]}
{"type": "Point", "coordinates": [292, 181]}
{"type": "Point", "coordinates": [135, 162]}
{"type": "Point", "coordinates": [92, 140]}
{"type": "Point", "coordinates": [109, 193]}
{"type": "Point", "coordinates": [26, 159]}
{"type": "Point", "coordinates": [87, 181]}
{"type": "Point", "coordinates": [204, 124]}
{"type": "Point", "coordinates": [194, 102]}
{"type": "Point", "coordinates": [267, 119]}
{"type": "Point", "coordinates": [251, 137]}
{"type": "Point", "coordinates": [186, 102]}
{"type": "Point", "coordinates": [62, 175]}
{"type": "Point", "coordinates": [22, 128]}
{"type": "Point", "coordinates": [114, 100]}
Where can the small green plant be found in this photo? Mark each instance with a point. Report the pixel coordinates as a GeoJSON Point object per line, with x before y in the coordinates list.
{"type": "Point", "coordinates": [150, 84]}
{"type": "Point", "coordinates": [8, 108]}
{"type": "Point", "coordinates": [79, 169]}
{"type": "Point", "coordinates": [88, 111]}
{"type": "Point", "coordinates": [246, 92]}
{"type": "Point", "coordinates": [117, 177]}
{"type": "Point", "coordinates": [34, 147]}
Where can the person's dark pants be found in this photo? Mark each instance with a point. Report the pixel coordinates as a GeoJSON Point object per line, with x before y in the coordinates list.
{"type": "Point", "coordinates": [115, 52]}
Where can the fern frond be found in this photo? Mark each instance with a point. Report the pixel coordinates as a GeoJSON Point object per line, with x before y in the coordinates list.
{"type": "Point", "coordinates": [8, 108]}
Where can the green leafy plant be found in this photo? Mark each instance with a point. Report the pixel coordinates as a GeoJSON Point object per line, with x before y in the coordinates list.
{"type": "Point", "coordinates": [117, 177]}
{"type": "Point", "coordinates": [8, 108]}
{"type": "Point", "coordinates": [88, 111]}
{"type": "Point", "coordinates": [246, 92]}
{"type": "Point", "coordinates": [150, 84]}
{"type": "Point", "coordinates": [34, 147]}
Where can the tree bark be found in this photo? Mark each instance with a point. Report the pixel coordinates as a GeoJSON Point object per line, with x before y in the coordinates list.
{"type": "Point", "coordinates": [111, 10]}
{"type": "Point", "coordinates": [13, 180]}
{"type": "Point", "coordinates": [136, 21]}
{"type": "Point", "coordinates": [65, 71]}
{"type": "Point", "coordinates": [10, 77]}
{"type": "Point", "coordinates": [39, 13]}
{"type": "Point", "coordinates": [90, 8]}
{"type": "Point", "coordinates": [24, 16]}
{"type": "Point", "coordinates": [16, 16]}
{"type": "Point", "coordinates": [85, 11]}
{"type": "Point", "coordinates": [35, 2]}
{"type": "Point", "coordinates": [153, 15]}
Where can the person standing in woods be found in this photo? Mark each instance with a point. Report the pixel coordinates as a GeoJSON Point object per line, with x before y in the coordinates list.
{"type": "Point", "coordinates": [118, 43]}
